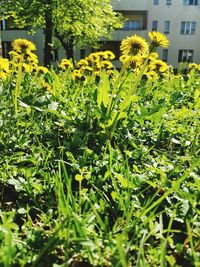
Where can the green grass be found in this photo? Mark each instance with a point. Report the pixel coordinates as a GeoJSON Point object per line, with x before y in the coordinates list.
{"type": "Point", "coordinates": [101, 173]}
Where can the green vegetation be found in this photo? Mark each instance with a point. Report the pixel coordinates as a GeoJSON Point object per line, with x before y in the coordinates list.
{"type": "Point", "coordinates": [70, 22]}
{"type": "Point", "coordinates": [97, 167]}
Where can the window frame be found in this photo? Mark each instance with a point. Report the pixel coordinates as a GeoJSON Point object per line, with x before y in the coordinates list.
{"type": "Point", "coordinates": [190, 2]}
{"type": "Point", "coordinates": [188, 27]}
{"type": "Point", "coordinates": [187, 53]}
{"type": "Point", "coordinates": [153, 27]}
{"type": "Point", "coordinates": [168, 2]}
{"type": "Point", "coordinates": [130, 25]}
{"type": "Point", "coordinates": [166, 29]}
{"type": "Point", "coordinates": [155, 2]}
{"type": "Point", "coordinates": [134, 15]}
{"type": "Point", "coordinates": [165, 53]}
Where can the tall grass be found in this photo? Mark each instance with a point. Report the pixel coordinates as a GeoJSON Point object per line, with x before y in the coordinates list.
{"type": "Point", "coordinates": [99, 169]}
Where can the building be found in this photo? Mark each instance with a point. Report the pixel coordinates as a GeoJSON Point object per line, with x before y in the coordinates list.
{"type": "Point", "coordinates": [178, 19]}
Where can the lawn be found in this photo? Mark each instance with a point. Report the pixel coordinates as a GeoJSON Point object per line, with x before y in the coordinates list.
{"type": "Point", "coordinates": [99, 167]}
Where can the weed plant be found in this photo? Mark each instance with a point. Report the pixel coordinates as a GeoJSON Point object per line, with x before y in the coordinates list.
{"type": "Point", "coordinates": [99, 167]}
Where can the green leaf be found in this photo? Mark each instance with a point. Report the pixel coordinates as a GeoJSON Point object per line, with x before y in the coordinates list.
{"type": "Point", "coordinates": [127, 101]}
{"type": "Point", "coordinates": [124, 183]}
{"type": "Point", "coordinates": [103, 90]}
{"type": "Point", "coordinates": [79, 177]}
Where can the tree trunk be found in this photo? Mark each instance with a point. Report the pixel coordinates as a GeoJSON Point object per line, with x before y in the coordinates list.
{"type": "Point", "coordinates": [69, 50]}
{"type": "Point", "coordinates": [48, 38]}
{"type": "Point", "coordinates": [68, 44]}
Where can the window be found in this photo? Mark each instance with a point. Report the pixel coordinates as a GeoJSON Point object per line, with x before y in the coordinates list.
{"type": "Point", "coordinates": [6, 48]}
{"type": "Point", "coordinates": [166, 26]}
{"type": "Point", "coordinates": [190, 2]}
{"type": "Point", "coordinates": [165, 55]}
{"type": "Point", "coordinates": [136, 20]}
{"type": "Point", "coordinates": [185, 55]}
{"type": "Point", "coordinates": [168, 2]}
{"type": "Point", "coordinates": [156, 2]}
{"type": "Point", "coordinates": [154, 25]}
{"type": "Point", "coordinates": [188, 27]}
{"type": "Point", "coordinates": [132, 25]}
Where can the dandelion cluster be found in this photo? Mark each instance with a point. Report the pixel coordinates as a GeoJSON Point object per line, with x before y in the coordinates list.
{"type": "Point", "coordinates": [94, 64]}
{"type": "Point", "coordinates": [22, 56]}
{"type": "Point", "coordinates": [23, 52]}
{"type": "Point", "coordinates": [137, 53]}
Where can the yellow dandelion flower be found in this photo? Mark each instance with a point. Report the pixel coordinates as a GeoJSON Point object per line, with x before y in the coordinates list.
{"type": "Point", "coordinates": [82, 69]}
{"type": "Point", "coordinates": [76, 74]}
{"type": "Point", "coordinates": [96, 72]}
{"type": "Point", "coordinates": [90, 60]}
{"type": "Point", "coordinates": [152, 75]}
{"type": "Point", "coordinates": [3, 75]}
{"type": "Point", "coordinates": [153, 56]}
{"type": "Point", "coordinates": [138, 60]}
{"type": "Point", "coordinates": [4, 65]}
{"type": "Point", "coordinates": [135, 45]}
{"type": "Point", "coordinates": [88, 68]}
{"type": "Point", "coordinates": [124, 58]}
{"type": "Point", "coordinates": [31, 58]}
{"type": "Point", "coordinates": [66, 64]}
{"type": "Point", "coordinates": [22, 46]}
{"type": "Point", "coordinates": [106, 64]}
{"type": "Point", "coordinates": [82, 62]}
{"type": "Point", "coordinates": [133, 61]}
{"type": "Point", "coordinates": [158, 65]}
{"type": "Point", "coordinates": [111, 72]}
{"type": "Point", "coordinates": [26, 68]}
{"type": "Point", "coordinates": [42, 70]}
{"type": "Point", "coordinates": [158, 39]}
{"type": "Point", "coordinates": [46, 86]}
{"type": "Point", "coordinates": [108, 55]}
{"type": "Point", "coordinates": [15, 57]}
{"type": "Point", "coordinates": [97, 63]}
{"type": "Point", "coordinates": [100, 54]}
{"type": "Point", "coordinates": [93, 56]}
{"type": "Point", "coordinates": [193, 66]}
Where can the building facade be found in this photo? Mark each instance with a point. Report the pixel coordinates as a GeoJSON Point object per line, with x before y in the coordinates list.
{"type": "Point", "coordinates": [178, 19]}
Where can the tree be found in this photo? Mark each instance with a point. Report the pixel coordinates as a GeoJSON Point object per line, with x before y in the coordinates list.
{"type": "Point", "coordinates": [72, 22]}
{"type": "Point", "coordinates": [85, 22]}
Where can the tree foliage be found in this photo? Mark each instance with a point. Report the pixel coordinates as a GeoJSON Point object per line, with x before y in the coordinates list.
{"type": "Point", "coordinates": [73, 22]}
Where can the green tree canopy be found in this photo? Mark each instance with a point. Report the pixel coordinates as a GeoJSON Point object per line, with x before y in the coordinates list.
{"type": "Point", "coordinates": [73, 22]}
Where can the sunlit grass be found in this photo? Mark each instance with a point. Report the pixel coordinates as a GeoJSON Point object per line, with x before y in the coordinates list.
{"type": "Point", "coordinates": [98, 166]}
